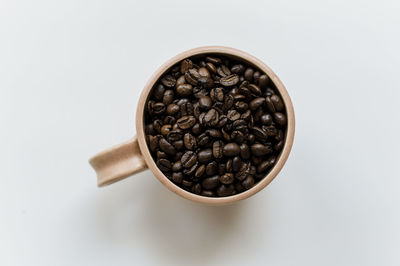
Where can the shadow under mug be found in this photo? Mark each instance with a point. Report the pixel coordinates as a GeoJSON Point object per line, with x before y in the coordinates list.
{"type": "Point", "coordinates": [134, 156]}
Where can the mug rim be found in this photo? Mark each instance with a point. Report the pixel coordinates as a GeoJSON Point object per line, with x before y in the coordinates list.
{"type": "Point", "coordinates": [228, 51]}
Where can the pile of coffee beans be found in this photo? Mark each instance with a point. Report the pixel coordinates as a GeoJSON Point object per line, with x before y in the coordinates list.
{"type": "Point", "coordinates": [215, 126]}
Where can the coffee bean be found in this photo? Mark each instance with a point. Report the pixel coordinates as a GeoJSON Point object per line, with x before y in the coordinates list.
{"type": "Point", "coordinates": [266, 119]}
{"type": "Point", "coordinates": [168, 97]}
{"type": "Point", "coordinates": [181, 80]}
{"type": "Point", "coordinates": [203, 139]}
{"type": "Point", "coordinates": [230, 80]}
{"type": "Point", "coordinates": [196, 129]}
{"type": "Point", "coordinates": [243, 172]}
{"type": "Point", "coordinates": [211, 118]}
{"type": "Point", "coordinates": [254, 89]}
{"type": "Point", "coordinates": [238, 69]}
{"type": "Point", "coordinates": [190, 141]}
{"type": "Point", "coordinates": [165, 129]}
{"type": "Point", "coordinates": [263, 81]}
{"type": "Point", "coordinates": [260, 149]}
{"type": "Point", "coordinates": [192, 76]}
{"type": "Point", "coordinates": [217, 94]}
{"type": "Point", "coordinates": [161, 154]}
{"type": "Point", "coordinates": [204, 72]}
{"type": "Point", "coordinates": [228, 102]}
{"type": "Point", "coordinates": [158, 108]}
{"type": "Point", "coordinates": [257, 103]}
{"type": "Point", "coordinates": [153, 143]}
{"type": "Point", "coordinates": [177, 177]}
{"type": "Point", "coordinates": [188, 159]}
{"type": "Point", "coordinates": [244, 151]}
{"type": "Point", "coordinates": [280, 119]}
{"type": "Point", "coordinates": [205, 102]}
{"type": "Point", "coordinates": [259, 133]}
{"type": "Point", "coordinates": [186, 122]}
{"type": "Point", "coordinates": [278, 146]}
{"type": "Point", "coordinates": [175, 135]}
{"type": "Point", "coordinates": [231, 149]}
{"type": "Point", "coordinates": [225, 190]}
{"type": "Point", "coordinates": [270, 105]}
{"type": "Point", "coordinates": [172, 109]}
{"type": "Point", "coordinates": [205, 156]}
{"type": "Point", "coordinates": [227, 178]}
{"type": "Point", "coordinates": [210, 67]}
{"type": "Point", "coordinates": [256, 76]}
{"type": "Point", "coordinates": [186, 65]}
{"type": "Point", "coordinates": [211, 168]}
{"type": "Point", "coordinates": [223, 71]}
{"type": "Point", "coordinates": [178, 144]}
{"type": "Point", "coordinates": [159, 92]}
{"type": "Point", "coordinates": [233, 115]}
{"type": "Point", "coordinates": [207, 193]}
{"type": "Point", "coordinates": [241, 106]}
{"type": "Point", "coordinates": [196, 189]}
{"type": "Point", "coordinates": [177, 166]}
{"type": "Point", "coordinates": [248, 74]}
{"type": "Point", "coordinates": [167, 147]}
{"type": "Point", "coordinates": [228, 165]}
{"type": "Point", "coordinates": [184, 90]}
{"type": "Point", "coordinates": [218, 149]}
{"type": "Point", "coordinates": [210, 182]}
{"type": "Point", "coordinates": [205, 82]}
{"type": "Point", "coordinates": [187, 183]}
{"type": "Point", "coordinates": [248, 182]}
{"type": "Point", "coordinates": [200, 171]}
{"type": "Point", "coordinates": [277, 102]}
{"type": "Point", "coordinates": [236, 163]}
{"type": "Point", "coordinates": [164, 165]}
{"type": "Point", "coordinates": [168, 81]}
{"type": "Point", "coordinates": [213, 60]}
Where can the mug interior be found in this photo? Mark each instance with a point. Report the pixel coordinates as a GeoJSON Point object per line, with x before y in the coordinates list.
{"type": "Point", "coordinates": [239, 56]}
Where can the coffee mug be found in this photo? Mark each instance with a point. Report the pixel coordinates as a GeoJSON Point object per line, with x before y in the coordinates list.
{"type": "Point", "coordinates": [134, 156]}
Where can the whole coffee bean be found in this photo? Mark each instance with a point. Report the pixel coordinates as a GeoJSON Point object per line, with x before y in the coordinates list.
{"type": "Point", "coordinates": [266, 119]}
{"type": "Point", "coordinates": [181, 80]}
{"type": "Point", "coordinates": [190, 141]}
{"type": "Point", "coordinates": [165, 129]}
{"type": "Point", "coordinates": [214, 60]}
{"type": "Point", "coordinates": [175, 135]}
{"type": "Point", "coordinates": [228, 101]}
{"type": "Point", "coordinates": [228, 165]}
{"type": "Point", "coordinates": [196, 189]}
{"type": "Point", "coordinates": [187, 183]}
{"type": "Point", "coordinates": [210, 182]}
{"type": "Point", "coordinates": [205, 102]}
{"type": "Point", "coordinates": [248, 182]}
{"type": "Point", "coordinates": [186, 65]}
{"type": "Point", "coordinates": [270, 105]}
{"type": "Point", "coordinates": [280, 119]}
{"type": "Point", "coordinates": [260, 149]}
{"type": "Point", "coordinates": [184, 90]}
{"type": "Point", "coordinates": [236, 163]}
{"type": "Point", "coordinates": [257, 103]}
{"type": "Point", "coordinates": [169, 120]}
{"type": "Point", "coordinates": [186, 122]}
{"type": "Point", "coordinates": [225, 190]}
{"type": "Point", "coordinates": [227, 178]}
{"type": "Point", "coordinates": [168, 97]}
{"type": "Point", "coordinates": [243, 172]}
{"type": "Point", "coordinates": [177, 177]}
{"type": "Point", "coordinates": [205, 155]}
{"type": "Point", "coordinates": [211, 118]}
{"type": "Point", "coordinates": [263, 166]}
{"type": "Point", "coordinates": [159, 92]}
{"type": "Point", "coordinates": [203, 139]}
{"type": "Point", "coordinates": [164, 165]}
{"type": "Point", "coordinates": [157, 125]}
{"type": "Point", "coordinates": [192, 76]}
{"type": "Point", "coordinates": [205, 82]}
{"type": "Point", "coordinates": [217, 94]}
{"type": "Point", "coordinates": [178, 145]}
{"type": "Point", "coordinates": [239, 187]}
{"type": "Point", "coordinates": [244, 151]}
{"type": "Point", "coordinates": [222, 121]}
{"type": "Point", "coordinates": [217, 149]}
{"type": "Point", "coordinates": [277, 102]}
{"type": "Point", "coordinates": [248, 74]}
{"type": "Point", "coordinates": [221, 169]}
{"type": "Point", "coordinates": [196, 129]}
{"type": "Point", "coordinates": [167, 147]}
{"type": "Point", "coordinates": [161, 154]}
{"type": "Point", "coordinates": [188, 159]}
{"type": "Point", "coordinates": [204, 72]}
{"type": "Point", "coordinates": [225, 135]}
{"type": "Point", "coordinates": [172, 109]}
{"type": "Point", "coordinates": [278, 146]}
{"type": "Point", "coordinates": [254, 89]}
{"type": "Point", "coordinates": [233, 115]}
{"type": "Point", "coordinates": [223, 71]}
{"type": "Point", "coordinates": [263, 81]}
{"type": "Point", "coordinates": [259, 133]}
{"type": "Point", "coordinates": [231, 149]}
{"type": "Point", "coordinates": [256, 76]}
{"type": "Point", "coordinates": [199, 92]}
{"type": "Point", "coordinates": [168, 81]}
{"type": "Point", "coordinates": [211, 168]}
{"type": "Point", "coordinates": [207, 193]}
{"type": "Point", "coordinates": [230, 80]}
{"type": "Point", "coordinates": [210, 67]}
{"type": "Point", "coordinates": [158, 108]}
{"type": "Point", "coordinates": [241, 106]}
{"type": "Point", "coordinates": [237, 69]}
{"type": "Point", "coordinates": [246, 115]}
{"type": "Point", "coordinates": [237, 136]}
{"type": "Point", "coordinates": [153, 143]}
{"type": "Point", "coordinates": [200, 171]}
{"type": "Point", "coordinates": [177, 166]}
{"type": "Point", "coordinates": [190, 171]}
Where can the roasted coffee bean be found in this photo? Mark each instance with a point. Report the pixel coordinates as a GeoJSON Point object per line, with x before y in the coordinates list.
{"type": "Point", "coordinates": [263, 81]}
{"type": "Point", "coordinates": [214, 60]}
{"type": "Point", "coordinates": [205, 155]}
{"type": "Point", "coordinates": [177, 177]}
{"type": "Point", "coordinates": [225, 190]}
{"type": "Point", "coordinates": [186, 65]}
{"type": "Point", "coordinates": [168, 97]}
{"type": "Point", "coordinates": [236, 163]}
{"type": "Point", "coordinates": [164, 165]}
{"type": "Point", "coordinates": [211, 168]}
{"type": "Point", "coordinates": [186, 122]}
{"type": "Point", "coordinates": [230, 80]}
{"type": "Point", "coordinates": [190, 141]}
{"type": "Point", "coordinates": [210, 182]}
{"type": "Point", "coordinates": [168, 81]}
{"type": "Point", "coordinates": [223, 71]}
{"type": "Point", "coordinates": [200, 171]}
{"type": "Point", "coordinates": [248, 74]}
{"type": "Point", "coordinates": [184, 90]}
{"type": "Point", "coordinates": [248, 182]}
{"type": "Point", "coordinates": [227, 178]}
{"type": "Point", "coordinates": [210, 67]}
{"type": "Point", "coordinates": [257, 103]}
{"type": "Point", "coordinates": [217, 94]}
{"type": "Point", "coordinates": [280, 119]}
{"type": "Point", "coordinates": [196, 189]}
{"type": "Point", "coordinates": [260, 149]}
{"type": "Point", "coordinates": [215, 126]}
{"type": "Point", "coordinates": [205, 102]}
{"type": "Point", "coordinates": [231, 149]}
{"type": "Point", "coordinates": [244, 151]}
{"type": "Point", "coordinates": [188, 159]}
{"type": "Point", "coordinates": [192, 76]}
{"type": "Point", "coordinates": [167, 147]}
{"type": "Point", "coordinates": [237, 69]}
{"type": "Point", "coordinates": [207, 193]}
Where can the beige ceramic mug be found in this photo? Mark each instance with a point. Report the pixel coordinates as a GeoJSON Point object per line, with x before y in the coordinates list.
{"type": "Point", "coordinates": [134, 156]}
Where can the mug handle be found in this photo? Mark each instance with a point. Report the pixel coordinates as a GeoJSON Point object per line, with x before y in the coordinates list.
{"type": "Point", "coordinates": [118, 162]}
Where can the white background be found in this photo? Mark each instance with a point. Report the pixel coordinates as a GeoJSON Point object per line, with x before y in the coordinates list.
{"type": "Point", "coordinates": [70, 76]}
